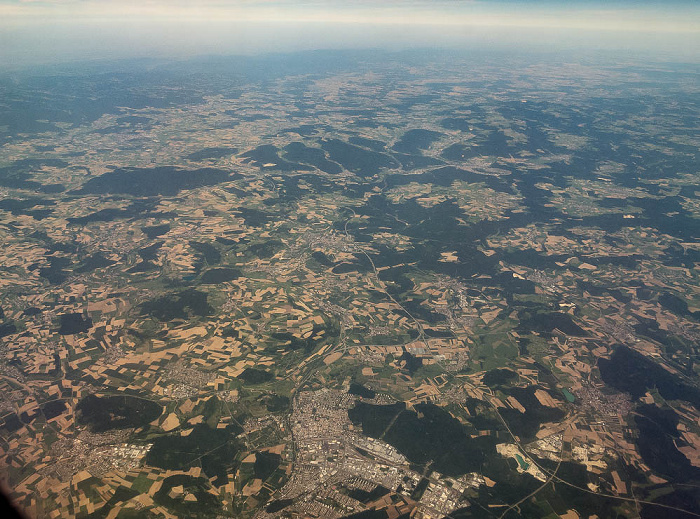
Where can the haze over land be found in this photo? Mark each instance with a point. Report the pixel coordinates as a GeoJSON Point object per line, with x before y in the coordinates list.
{"type": "Point", "coordinates": [52, 31]}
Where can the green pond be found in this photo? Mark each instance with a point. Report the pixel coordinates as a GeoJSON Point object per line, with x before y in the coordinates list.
{"type": "Point", "coordinates": [569, 397]}
{"type": "Point", "coordinates": [523, 464]}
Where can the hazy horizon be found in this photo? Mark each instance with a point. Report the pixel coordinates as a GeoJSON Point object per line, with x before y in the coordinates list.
{"type": "Point", "coordinates": [44, 32]}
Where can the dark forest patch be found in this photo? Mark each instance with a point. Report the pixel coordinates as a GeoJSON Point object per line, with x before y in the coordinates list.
{"type": "Point", "coordinates": [360, 161]}
{"type": "Point", "coordinates": [547, 322]}
{"type": "Point", "coordinates": [150, 252]}
{"type": "Point", "coordinates": [178, 305]}
{"type": "Point", "coordinates": [266, 249]}
{"type": "Point", "coordinates": [94, 262]}
{"type": "Point", "coordinates": [275, 403]}
{"type": "Point", "coordinates": [11, 423]}
{"type": "Point", "coordinates": [162, 180]}
{"type": "Point", "coordinates": [55, 272]}
{"type": "Point", "coordinates": [278, 505]}
{"type": "Point", "coordinates": [265, 464]}
{"type": "Point", "coordinates": [413, 141]}
{"type": "Point", "coordinates": [255, 376]}
{"type": "Point", "coordinates": [499, 377]}
{"type": "Point", "coordinates": [70, 324]}
{"type": "Point", "coordinates": [153, 231]}
{"type": "Point", "coordinates": [215, 449]}
{"type": "Point", "coordinates": [104, 413]}
{"type": "Point", "coordinates": [53, 409]}
{"type": "Point", "coordinates": [298, 152]}
{"type": "Point", "coordinates": [220, 275]}
{"type": "Point", "coordinates": [207, 251]}
{"type": "Point", "coordinates": [631, 372]}
{"type": "Point", "coordinates": [361, 391]}
{"type": "Point", "coordinates": [656, 443]}
{"type": "Point", "coordinates": [7, 329]}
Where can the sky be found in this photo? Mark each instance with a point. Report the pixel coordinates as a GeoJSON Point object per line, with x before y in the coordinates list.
{"type": "Point", "coordinates": [49, 31]}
